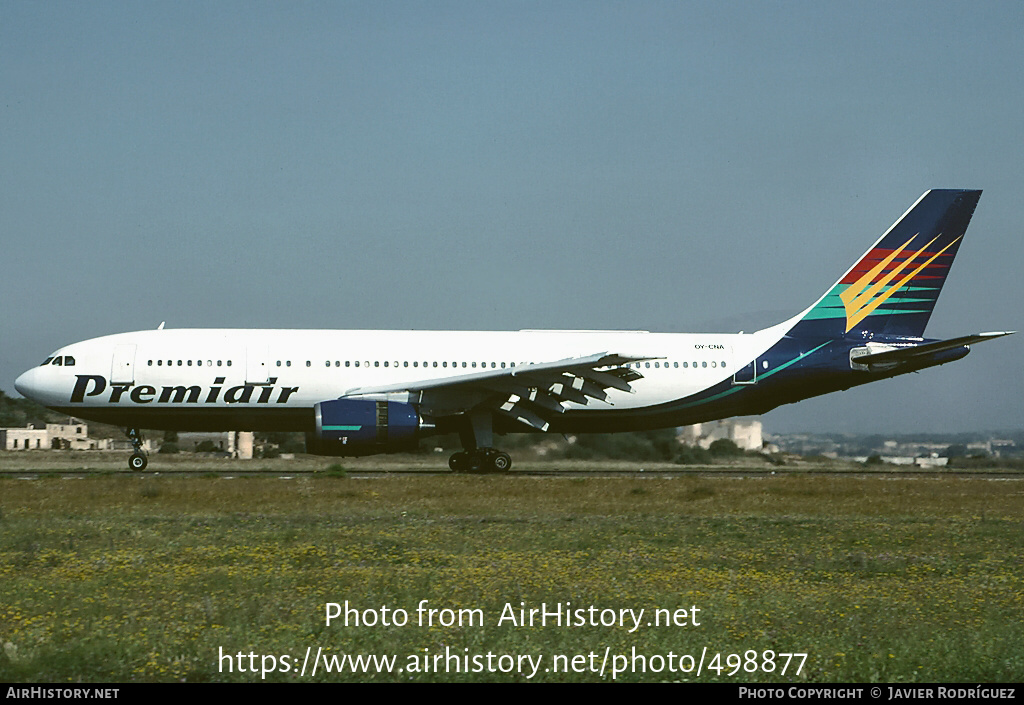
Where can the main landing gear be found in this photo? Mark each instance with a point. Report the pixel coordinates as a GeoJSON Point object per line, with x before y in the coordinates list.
{"type": "Point", "coordinates": [138, 460]}
{"type": "Point", "coordinates": [480, 460]}
{"type": "Point", "coordinates": [479, 456]}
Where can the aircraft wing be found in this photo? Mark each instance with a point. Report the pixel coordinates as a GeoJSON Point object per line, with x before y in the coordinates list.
{"type": "Point", "coordinates": [907, 354]}
{"type": "Point", "coordinates": [524, 392]}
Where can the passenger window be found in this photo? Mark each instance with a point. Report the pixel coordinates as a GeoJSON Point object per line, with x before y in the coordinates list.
{"type": "Point", "coordinates": [159, 363]}
{"type": "Point", "coordinates": [714, 364]}
{"type": "Point", "coordinates": [179, 363]}
{"type": "Point", "coordinates": [327, 363]}
{"type": "Point", "coordinates": [435, 363]}
{"type": "Point", "coordinates": [229, 363]}
{"type": "Point", "coordinates": [675, 364]}
{"type": "Point", "coordinates": [723, 363]}
{"type": "Point", "coordinates": [385, 363]}
{"type": "Point", "coordinates": [209, 363]}
{"type": "Point", "coordinates": [444, 364]}
{"type": "Point", "coordinates": [503, 365]}
{"type": "Point", "coordinates": [347, 362]}
{"type": "Point", "coordinates": [218, 362]}
{"type": "Point", "coordinates": [357, 363]}
{"type": "Point", "coordinates": [149, 363]}
{"type": "Point", "coordinates": [704, 364]}
{"type": "Point", "coordinates": [190, 363]}
{"type": "Point", "coordinates": [278, 363]}
{"type": "Point", "coordinates": [199, 363]}
{"type": "Point", "coordinates": [405, 364]}
{"type": "Point", "coordinates": [686, 364]}
{"type": "Point", "coordinates": [376, 363]}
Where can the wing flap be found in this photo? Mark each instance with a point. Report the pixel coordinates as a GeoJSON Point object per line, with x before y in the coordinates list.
{"type": "Point", "coordinates": [575, 366]}
{"type": "Point", "coordinates": [521, 413]}
{"type": "Point", "coordinates": [526, 392]}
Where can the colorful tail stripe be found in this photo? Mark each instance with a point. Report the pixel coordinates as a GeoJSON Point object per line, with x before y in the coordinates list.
{"type": "Point", "coordinates": [892, 289]}
{"type": "Point", "coordinates": [864, 296]}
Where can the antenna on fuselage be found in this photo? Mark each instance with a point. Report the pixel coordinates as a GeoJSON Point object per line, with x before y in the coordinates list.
{"type": "Point", "coordinates": [161, 326]}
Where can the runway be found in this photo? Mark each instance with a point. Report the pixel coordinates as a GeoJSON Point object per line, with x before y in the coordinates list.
{"type": "Point", "coordinates": [598, 472]}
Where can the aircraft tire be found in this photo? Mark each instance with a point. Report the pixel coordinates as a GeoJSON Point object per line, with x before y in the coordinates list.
{"type": "Point", "coordinates": [501, 462]}
{"type": "Point", "coordinates": [138, 462]}
{"type": "Point", "coordinates": [475, 463]}
{"type": "Point", "coordinates": [458, 461]}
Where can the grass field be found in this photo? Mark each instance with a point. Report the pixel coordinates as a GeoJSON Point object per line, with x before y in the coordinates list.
{"type": "Point", "coordinates": [121, 578]}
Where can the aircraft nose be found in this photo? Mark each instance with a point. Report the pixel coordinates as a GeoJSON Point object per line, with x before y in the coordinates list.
{"type": "Point", "coordinates": [27, 383]}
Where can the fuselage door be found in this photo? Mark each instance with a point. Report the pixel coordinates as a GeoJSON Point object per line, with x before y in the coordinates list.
{"type": "Point", "coordinates": [257, 364]}
{"type": "Point", "coordinates": [746, 374]}
{"type": "Point", "coordinates": [122, 366]}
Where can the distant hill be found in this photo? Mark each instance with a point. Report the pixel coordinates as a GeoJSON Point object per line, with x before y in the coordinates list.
{"type": "Point", "coordinates": [18, 413]}
{"type": "Point", "coordinates": [15, 413]}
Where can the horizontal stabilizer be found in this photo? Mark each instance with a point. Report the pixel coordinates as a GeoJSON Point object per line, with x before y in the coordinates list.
{"type": "Point", "coordinates": [907, 354]}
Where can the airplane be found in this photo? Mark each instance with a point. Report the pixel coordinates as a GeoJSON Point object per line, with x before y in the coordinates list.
{"type": "Point", "coordinates": [359, 392]}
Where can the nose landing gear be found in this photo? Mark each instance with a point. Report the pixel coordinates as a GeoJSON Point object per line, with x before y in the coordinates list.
{"type": "Point", "coordinates": [138, 460]}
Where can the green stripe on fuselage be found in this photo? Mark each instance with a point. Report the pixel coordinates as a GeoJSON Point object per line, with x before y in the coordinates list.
{"type": "Point", "coordinates": [735, 389]}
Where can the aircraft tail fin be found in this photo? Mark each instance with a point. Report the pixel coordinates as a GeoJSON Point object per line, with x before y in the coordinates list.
{"type": "Point", "coordinates": [892, 288]}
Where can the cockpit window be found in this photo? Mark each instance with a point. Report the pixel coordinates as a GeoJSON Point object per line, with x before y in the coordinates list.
{"type": "Point", "coordinates": [66, 360]}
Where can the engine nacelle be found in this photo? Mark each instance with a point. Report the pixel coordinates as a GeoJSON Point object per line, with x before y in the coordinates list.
{"type": "Point", "coordinates": [363, 427]}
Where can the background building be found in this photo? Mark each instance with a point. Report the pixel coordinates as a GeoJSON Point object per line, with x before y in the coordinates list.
{"type": "Point", "coordinates": [237, 444]}
{"type": "Point", "coordinates": [29, 438]}
{"type": "Point", "coordinates": [73, 435]}
{"type": "Point", "coordinates": [745, 433]}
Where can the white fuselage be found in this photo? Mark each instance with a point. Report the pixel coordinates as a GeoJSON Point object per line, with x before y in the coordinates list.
{"type": "Point", "coordinates": [275, 369]}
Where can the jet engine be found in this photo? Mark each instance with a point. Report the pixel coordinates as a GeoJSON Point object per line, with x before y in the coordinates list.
{"type": "Point", "coordinates": [363, 427]}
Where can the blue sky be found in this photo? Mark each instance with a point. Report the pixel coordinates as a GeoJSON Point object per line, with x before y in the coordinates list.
{"type": "Point", "coordinates": [482, 165]}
